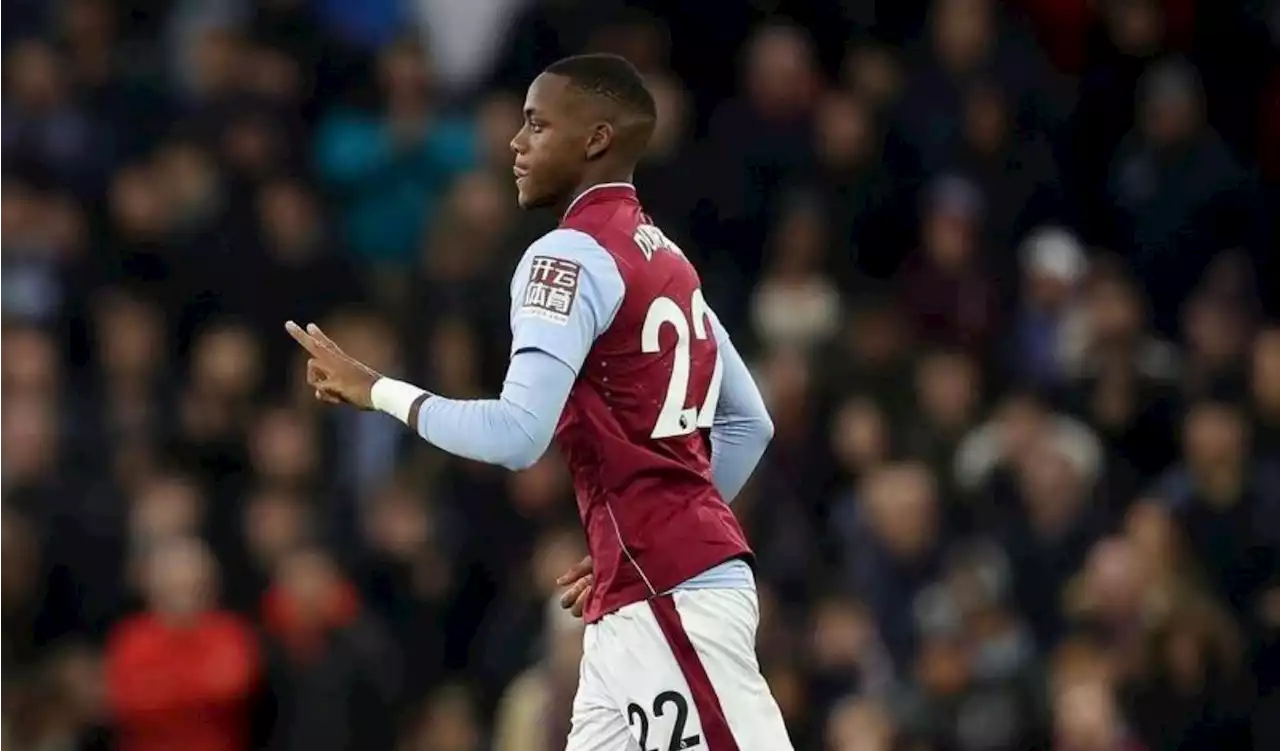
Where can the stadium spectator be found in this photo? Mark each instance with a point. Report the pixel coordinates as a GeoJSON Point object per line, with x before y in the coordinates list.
{"type": "Point", "coordinates": [333, 677]}
{"type": "Point", "coordinates": [388, 168]}
{"type": "Point", "coordinates": [534, 712]}
{"type": "Point", "coordinates": [182, 674]}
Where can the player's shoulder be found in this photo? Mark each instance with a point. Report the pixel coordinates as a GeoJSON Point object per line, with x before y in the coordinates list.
{"type": "Point", "coordinates": [569, 243]}
{"type": "Point", "coordinates": [570, 249]}
{"type": "Point", "coordinates": [562, 266]}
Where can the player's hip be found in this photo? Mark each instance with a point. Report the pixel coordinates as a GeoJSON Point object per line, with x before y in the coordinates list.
{"type": "Point", "coordinates": [728, 617]}
{"type": "Point", "coordinates": [679, 669]}
{"type": "Point", "coordinates": [626, 575]}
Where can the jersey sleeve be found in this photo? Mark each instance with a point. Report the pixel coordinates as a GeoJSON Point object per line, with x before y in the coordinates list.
{"type": "Point", "coordinates": [742, 429]}
{"type": "Point", "coordinates": [513, 430]}
{"type": "Point", "coordinates": [564, 293]}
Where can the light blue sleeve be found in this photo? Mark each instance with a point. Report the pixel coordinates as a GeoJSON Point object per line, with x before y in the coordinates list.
{"type": "Point", "coordinates": [512, 431]}
{"type": "Point", "coordinates": [742, 428]}
{"type": "Point", "coordinates": [564, 292]}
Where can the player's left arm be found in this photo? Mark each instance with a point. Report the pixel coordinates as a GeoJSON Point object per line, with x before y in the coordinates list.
{"type": "Point", "coordinates": [565, 291]}
{"type": "Point", "coordinates": [742, 428]}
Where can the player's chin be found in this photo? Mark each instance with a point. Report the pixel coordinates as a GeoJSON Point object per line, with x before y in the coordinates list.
{"type": "Point", "coordinates": [528, 197]}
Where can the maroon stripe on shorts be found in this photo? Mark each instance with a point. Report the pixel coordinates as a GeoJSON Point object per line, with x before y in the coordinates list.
{"type": "Point", "coordinates": [715, 727]}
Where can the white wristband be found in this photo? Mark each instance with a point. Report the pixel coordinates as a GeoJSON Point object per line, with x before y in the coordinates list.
{"type": "Point", "coordinates": [394, 397]}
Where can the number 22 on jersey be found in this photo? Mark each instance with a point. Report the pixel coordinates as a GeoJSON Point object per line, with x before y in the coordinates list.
{"type": "Point", "coordinates": [675, 418]}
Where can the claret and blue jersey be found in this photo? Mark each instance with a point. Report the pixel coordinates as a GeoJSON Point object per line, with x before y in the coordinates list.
{"type": "Point", "coordinates": [616, 355]}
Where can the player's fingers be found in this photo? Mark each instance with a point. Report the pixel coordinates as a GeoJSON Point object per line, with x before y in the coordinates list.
{"type": "Point", "coordinates": [316, 374]}
{"type": "Point", "coordinates": [322, 338]}
{"type": "Point", "coordinates": [316, 379]}
{"type": "Point", "coordinates": [581, 603]}
{"type": "Point", "coordinates": [301, 337]}
{"type": "Point", "coordinates": [580, 569]}
{"type": "Point", "coordinates": [575, 591]}
{"type": "Point", "coordinates": [570, 595]}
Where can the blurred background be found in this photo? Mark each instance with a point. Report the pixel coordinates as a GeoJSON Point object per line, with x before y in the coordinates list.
{"type": "Point", "coordinates": [1005, 271]}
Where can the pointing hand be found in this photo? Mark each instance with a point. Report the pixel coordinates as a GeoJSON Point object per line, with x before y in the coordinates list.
{"type": "Point", "coordinates": [336, 377]}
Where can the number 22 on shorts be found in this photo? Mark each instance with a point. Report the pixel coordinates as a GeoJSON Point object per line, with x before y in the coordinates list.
{"type": "Point", "coordinates": [675, 419]}
{"type": "Point", "coordinates": [662, 703]}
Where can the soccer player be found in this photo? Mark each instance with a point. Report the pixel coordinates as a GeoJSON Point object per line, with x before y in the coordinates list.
{"type": "Point", "coordinates": [616, 355]}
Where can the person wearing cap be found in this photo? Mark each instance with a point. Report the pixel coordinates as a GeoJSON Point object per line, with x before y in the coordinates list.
{"type": "Point", "coordinates": [1053, 266]}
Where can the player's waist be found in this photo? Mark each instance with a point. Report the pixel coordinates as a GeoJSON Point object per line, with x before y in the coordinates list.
{"type": "Point", "coordinates": [634, 579]}
{"type": "Point", "coordinates": [660, 558]}
{"type": "Point", "coordinates": [735, 573]}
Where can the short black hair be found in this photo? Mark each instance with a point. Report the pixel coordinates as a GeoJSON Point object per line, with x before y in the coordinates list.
{"type": "Point", "coordinates": [611, 77]}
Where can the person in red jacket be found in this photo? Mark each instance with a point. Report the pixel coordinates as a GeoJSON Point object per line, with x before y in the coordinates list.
{"type": "Point", "coordinates": [181, 675]}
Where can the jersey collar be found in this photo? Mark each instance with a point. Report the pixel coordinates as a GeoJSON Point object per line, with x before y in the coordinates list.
{"type": "Point", "coordinates": [601, 192]}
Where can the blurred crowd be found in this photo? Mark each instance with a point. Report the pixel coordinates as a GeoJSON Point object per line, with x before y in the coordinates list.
{"type": "Point", "coordinates": [1006, 270]}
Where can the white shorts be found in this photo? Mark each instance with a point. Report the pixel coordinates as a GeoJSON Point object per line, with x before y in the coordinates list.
{"type": "Point", "coordinates": [676, 672]}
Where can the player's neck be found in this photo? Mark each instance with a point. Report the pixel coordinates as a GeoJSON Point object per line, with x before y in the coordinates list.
{"type": "Point", "coordinates": [614, 177]}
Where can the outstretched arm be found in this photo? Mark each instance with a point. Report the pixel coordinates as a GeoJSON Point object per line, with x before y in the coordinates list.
{"type": "Point", "coordinates": [742, 427]}
{"type": "Point", "coordinates": [565, 292]}
{"type": "Point", "coordinates": [513, 430]}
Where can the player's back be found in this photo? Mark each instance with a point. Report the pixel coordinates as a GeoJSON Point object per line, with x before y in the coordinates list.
{"type": "Point", "coordinates": [635, 429]}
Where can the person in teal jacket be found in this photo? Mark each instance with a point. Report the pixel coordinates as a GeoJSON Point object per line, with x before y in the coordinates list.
{"type": "Point", "coordinates": [389, 169]}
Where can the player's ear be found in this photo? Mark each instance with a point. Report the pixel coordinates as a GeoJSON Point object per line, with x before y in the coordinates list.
{"type": "Point", "coordinates": [599, 141]}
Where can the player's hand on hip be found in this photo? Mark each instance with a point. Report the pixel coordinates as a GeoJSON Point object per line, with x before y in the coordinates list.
{"type": "Point", "coordinates": [580, 580]}
{"type": "Point", "coordinates": [336, 377]}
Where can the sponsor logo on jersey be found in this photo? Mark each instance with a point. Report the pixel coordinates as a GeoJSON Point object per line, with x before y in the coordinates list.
{"type": "Point", "coordinates": [552, 289]}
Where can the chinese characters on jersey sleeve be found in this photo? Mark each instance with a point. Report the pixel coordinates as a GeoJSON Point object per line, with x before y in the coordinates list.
{"type": "Point", "coordinates": [551, 290]}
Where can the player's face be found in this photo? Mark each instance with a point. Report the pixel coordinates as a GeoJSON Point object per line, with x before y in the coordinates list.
{"type": "Point", "coordinates": [550, 148]}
